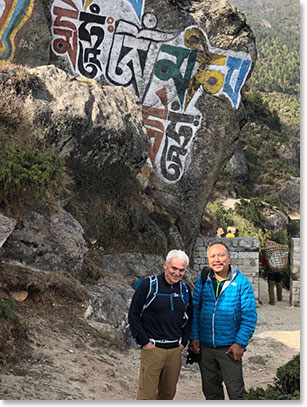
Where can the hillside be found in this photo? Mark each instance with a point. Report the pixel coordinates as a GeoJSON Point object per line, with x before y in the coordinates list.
{"type": "Point", "coordinates": [276, 25]}
{"type": "Point", "coordinates": [271, 134]}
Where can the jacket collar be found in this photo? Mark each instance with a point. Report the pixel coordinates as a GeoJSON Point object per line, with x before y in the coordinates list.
{"type": "Point", "coordinates": [231, 274]}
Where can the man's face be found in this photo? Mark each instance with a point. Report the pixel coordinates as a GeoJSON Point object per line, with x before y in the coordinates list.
{"type": "Point", "coordinates": [219, 259]}
{"type": "Point", "coordinates": [174, 270]}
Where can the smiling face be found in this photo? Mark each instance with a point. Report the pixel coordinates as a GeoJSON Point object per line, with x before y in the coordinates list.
{"type": "Point", "coordinates": [219, 260]}
{"type": "Point", "coordinates": [174, 270]}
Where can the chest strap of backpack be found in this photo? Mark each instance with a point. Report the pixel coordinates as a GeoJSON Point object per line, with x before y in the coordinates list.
{"type": "Point", "coordinates": [154, 341]}
{"type": "Point", "coordinates": [153, 292]}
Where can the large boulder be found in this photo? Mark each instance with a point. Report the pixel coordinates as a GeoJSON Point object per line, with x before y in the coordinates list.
{"type": "Point", "coordinates": [274, 219]}
{"type": "Point", "coordinates": [289, 193]}
{"type": "Point", "coordinates": [96, 126]}
{"type": "Point", "coordinates": [237, 165]}
{"type": "Point", "coordinates": [108, 309]}
{"type": "Point", "coordinates": [186, 62]}
{"type": "Point", "coordinates": [132, 266]}
{"type": "Point", "coordinates": [288, 153]}
{"type": "Point", "coordinates": [51, 242]}
{"type": "Point", "coordinates": [7, 226]}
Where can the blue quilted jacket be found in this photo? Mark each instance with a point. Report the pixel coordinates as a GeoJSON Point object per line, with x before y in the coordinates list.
{"type": "Point", "coordinates": [227, 319]}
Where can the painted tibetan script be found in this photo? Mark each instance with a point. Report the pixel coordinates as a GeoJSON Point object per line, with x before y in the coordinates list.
{"type": "Point", "coordinates": [167, 71]}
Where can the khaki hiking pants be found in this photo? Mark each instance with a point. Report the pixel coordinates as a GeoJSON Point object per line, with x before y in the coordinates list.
{"type": "Point", "coordinates": [159, 373]}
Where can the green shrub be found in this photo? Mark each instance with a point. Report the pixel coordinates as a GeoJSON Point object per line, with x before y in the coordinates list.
{"type": "Point", "coordinates": [286, 384]}
{"type": "Point", "coordinates": [27, 170]}
{"type": "Point", "coordinates": [7, 309]}
{"type": "Point", "coordinates": [251, 210]}
{"type": "Point", "coordinates": [242, 190]}
{"type": "Point", "coordinates": [288, 376]}
{"type": "Point", "coordinates": [222, 217]}
{"type": "Point", "coordinates": [268, 179]}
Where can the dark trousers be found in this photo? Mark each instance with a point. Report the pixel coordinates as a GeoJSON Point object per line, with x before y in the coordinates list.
{"type": "Point", "coordinates": [274, 280]}
{"type": "Point", "coordinates": [215, 368]}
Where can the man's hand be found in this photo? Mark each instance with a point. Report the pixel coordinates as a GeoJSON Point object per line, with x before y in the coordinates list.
{"type": "Point", "coordinates": [148, 345]}
{"type": "Point", "coordinates": [195, 346]}
{"type": "Point", "coordinates": [236, 350]}
{"type": "Point", "coordinates": [181, 346]}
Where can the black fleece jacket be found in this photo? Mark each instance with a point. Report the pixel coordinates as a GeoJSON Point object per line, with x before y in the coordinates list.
{"type": "Point", "coordinates": [158, 321]}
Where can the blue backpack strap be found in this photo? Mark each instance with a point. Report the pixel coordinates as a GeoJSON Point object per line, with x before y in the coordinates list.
{"type": "Point", "coordinates": [184, 293]}
{"type": "Point", "coordinates": [152, 292]}
{"type": "Point", "coordinates": [138, 283]}
{"type": "Point", "coordinates": [185, 296]}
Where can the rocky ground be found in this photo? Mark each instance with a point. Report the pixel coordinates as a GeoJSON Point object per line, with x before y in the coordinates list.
{"type": "Point", "coordinates": [66, 359]}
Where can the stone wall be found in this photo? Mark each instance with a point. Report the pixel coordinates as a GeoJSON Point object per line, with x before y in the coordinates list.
{"type": "Point", "coordinates": [244, 256]}
{"type": "Point", "coordinates": [295, 271]}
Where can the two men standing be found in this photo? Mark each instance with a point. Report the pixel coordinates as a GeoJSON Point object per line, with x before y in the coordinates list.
{"type": "Point", "coordinates": [219, 324]}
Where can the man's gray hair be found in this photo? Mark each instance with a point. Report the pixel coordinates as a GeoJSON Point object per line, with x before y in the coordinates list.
{"type": "Point", "coordinates": [178, 253]}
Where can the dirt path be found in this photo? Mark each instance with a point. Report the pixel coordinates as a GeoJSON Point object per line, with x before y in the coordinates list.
{"type": "Point", "coordinates": [67, 362]}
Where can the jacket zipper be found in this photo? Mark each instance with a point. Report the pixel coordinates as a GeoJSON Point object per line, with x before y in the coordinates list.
{"type": "Point", "coordinates": [215, 305]}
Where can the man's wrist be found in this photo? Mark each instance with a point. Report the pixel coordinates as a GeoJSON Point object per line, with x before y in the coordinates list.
{"type": "Point", "coordinates": [243, 347]}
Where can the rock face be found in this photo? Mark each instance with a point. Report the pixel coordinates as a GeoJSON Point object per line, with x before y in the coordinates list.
{"type": "Point", "coordinates": [288, 154]}
{"type": "Point", "coordinates": [290, 193]}
{"type": "Point", "coordinates": [53, 243]}
{"type": "Point", "coordinates": [132, 266]}
{"type": "Point", "coordinates": [25, 37]}
{"type": "Point", "coordinates": [96, 126]}
{"type": "Point", "coordinates": [185, 61]}
{"type": "Point", "coordinates": [237, 165]}
{"type": "Point", "coordinates": [7, 226]}
{"type": "Point", "coordinates": [275, 220]}
{"type": "Point", "coordinates": [108, 309]}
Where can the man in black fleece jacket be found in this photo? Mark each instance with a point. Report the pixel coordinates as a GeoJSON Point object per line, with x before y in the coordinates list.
{"type": "Point", "coordinates": [162, 328]}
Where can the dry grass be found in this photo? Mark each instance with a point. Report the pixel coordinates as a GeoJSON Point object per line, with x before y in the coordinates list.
{"type": "Point", "coordinates": [15, 123]}
{"type": "Point", "coordinates": [18, 134]}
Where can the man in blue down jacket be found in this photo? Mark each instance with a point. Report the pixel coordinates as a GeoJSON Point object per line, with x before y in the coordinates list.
{"type": "Point", "coordinates": [224, 320]}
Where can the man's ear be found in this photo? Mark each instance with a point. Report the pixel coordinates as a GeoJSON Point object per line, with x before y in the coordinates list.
{"type": "Point", "coordinates": [164, 265]}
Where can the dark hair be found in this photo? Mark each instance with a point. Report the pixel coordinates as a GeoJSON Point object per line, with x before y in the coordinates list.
{"type": "Point", "coordinates": [218, 242]}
